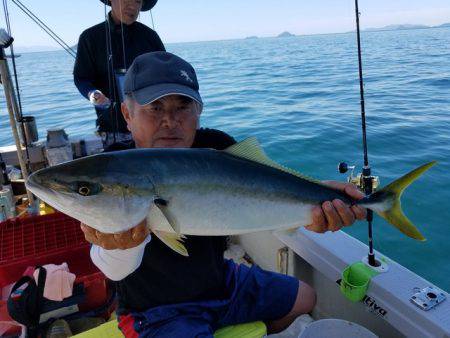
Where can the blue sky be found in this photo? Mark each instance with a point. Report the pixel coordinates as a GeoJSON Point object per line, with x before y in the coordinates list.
{"type": "Point", "coordinates": [197, 20]}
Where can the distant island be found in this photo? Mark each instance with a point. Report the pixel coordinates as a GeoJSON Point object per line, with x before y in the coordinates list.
{"type": "Point", "coordinates": [404, 27]}
{"type": "Point", "coordinates": [29, 49]}
{"type": "Point", "coordinates": [285, 35]}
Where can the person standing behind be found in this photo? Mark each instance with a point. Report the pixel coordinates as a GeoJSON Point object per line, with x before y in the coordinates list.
{"type": "Point", "coordinates": [100, 56]}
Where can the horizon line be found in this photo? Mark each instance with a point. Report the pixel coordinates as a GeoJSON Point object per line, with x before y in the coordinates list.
{"type": "Point", "coordinates": [367, 30]}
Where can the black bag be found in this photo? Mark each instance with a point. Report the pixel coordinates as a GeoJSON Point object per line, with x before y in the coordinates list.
{"type": "Point", "coordinates": [25, 305]}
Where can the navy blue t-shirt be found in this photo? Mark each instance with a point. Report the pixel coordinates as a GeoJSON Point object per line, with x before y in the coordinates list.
{"type": "Point", "coordinates": [91, 67]}
{"type": "Point", "coordinates": [166, 277]}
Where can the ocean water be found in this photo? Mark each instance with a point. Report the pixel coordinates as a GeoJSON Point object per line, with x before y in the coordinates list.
{"type": "Point", "coordinates": [300, 97]}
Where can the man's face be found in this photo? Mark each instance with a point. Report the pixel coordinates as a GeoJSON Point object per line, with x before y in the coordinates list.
{"type": "Point", "coordinates": [126, 11]}
{"type": "Point", "coordinates": [169, 122]}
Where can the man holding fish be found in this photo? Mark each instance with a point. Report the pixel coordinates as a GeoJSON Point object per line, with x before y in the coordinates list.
{"type": "Point", "coordinates": [173, 280]}
{"type": "Point", "coordinates": [158, 120]}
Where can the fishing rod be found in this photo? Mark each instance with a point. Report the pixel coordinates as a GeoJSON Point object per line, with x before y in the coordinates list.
{"type": "Point", "coordinates": [366, 178]}
{"type": "Point", "coordinates": [365, 181]}
{"type": "Point", "coordinates": [111, 74]}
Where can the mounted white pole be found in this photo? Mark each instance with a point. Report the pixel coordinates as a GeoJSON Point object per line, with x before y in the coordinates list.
{"type": "Point", "coordinates": [5, 41]}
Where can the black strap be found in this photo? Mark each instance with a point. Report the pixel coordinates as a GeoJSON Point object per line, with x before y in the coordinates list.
{"type": "Point", "coordinates": [28, 307]}
{"type": "Point", "coordinates": [33, 331]}
{"type": "Point", "coordinates": [22, 281]}
{"type": "Point", "coordinates": [41, 285]}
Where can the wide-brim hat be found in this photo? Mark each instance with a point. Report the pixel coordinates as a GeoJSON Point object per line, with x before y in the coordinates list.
{"type": "Point", "coordinates": [146, 4]}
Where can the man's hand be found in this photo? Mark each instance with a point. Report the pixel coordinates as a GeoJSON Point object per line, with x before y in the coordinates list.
{"type": "Point", "coordinates": [123, 240]}
{"type": "Point", "coordinates": [333, 215]}
{"type": "Point", "coordinates": [97, 98]}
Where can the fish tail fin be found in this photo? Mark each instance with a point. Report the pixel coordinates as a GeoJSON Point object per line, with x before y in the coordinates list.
{"type": "Point", "coordinates": [173, 241]}
{"type": "Point", "coordinates": [386, 202]}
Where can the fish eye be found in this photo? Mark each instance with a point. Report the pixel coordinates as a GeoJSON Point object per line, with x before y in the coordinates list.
{"type": "Point", "coordinates": [86, 188]}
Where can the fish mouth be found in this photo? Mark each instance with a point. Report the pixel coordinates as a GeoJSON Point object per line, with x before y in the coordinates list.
{"type": "Point", "coordinates": [46, 192]}
{"type": "Point", "coordinates": [38, 183]}
{"type": "Point", "coordinates": [51, 198]}
{"type": "Point", "coordinates": [33, 184]}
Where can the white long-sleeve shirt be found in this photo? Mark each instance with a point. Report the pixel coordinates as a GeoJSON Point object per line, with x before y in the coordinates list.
{"type": "Point", "coordinates": [117, 264]}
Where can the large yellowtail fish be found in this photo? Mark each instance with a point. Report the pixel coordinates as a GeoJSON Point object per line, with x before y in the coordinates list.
{"type": "Point", "coordinates": [199, 192]}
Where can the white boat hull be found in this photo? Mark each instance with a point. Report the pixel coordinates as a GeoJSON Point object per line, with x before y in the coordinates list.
{"type": "Point", "coordinates": [319, 259]}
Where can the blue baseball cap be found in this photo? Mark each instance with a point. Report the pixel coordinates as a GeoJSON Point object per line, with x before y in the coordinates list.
{"type": "Point", "coordinates": [158, 74]}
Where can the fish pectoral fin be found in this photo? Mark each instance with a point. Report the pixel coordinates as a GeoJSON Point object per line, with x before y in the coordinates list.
{"type": "Point", "coordinates": [158, 221]}
{"type": "Point", "coordinates": [157, 217]}
{"type": "Point", "coordinates": [173, 241]}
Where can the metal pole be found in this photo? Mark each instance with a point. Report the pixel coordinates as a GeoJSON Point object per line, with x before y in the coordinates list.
{"type": "Point", "coordinates": [19, 118]}
{"type": "Point", "coordinates": [9, 92]}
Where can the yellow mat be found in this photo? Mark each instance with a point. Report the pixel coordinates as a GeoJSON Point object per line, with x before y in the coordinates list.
{"type": "Point", "coordinates": [248, 330]}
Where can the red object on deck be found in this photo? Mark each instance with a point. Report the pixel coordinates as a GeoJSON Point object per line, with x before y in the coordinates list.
{"type": "Point", "coordinates": [49, 239]}
{"type": "Point", "coordinates": [39, 240]}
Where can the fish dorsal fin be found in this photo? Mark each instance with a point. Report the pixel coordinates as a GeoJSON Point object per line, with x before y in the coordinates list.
{"type": "Point", "coordinates": [250, 149]}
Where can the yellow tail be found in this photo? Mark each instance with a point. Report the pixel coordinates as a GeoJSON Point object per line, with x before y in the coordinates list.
{"type": "Point", "coordinates": [386, 202]}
